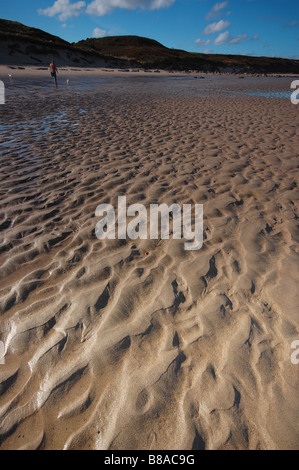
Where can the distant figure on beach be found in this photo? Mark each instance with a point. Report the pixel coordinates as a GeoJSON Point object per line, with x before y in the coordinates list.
{"type": "Point", "coordinates": [53, 71]}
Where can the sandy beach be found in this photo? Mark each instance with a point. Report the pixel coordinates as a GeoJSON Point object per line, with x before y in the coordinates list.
{"type": "Point", "coordinates": [141, 344]}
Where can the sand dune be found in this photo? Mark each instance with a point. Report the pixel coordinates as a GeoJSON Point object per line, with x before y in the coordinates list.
{"type": "Point", "coordinates": [120, 344]}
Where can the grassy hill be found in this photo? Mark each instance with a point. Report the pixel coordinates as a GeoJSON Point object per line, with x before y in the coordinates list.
{"type": "Point", "coordinates": [150, 53]}
{"type": "Point", "coordinates": [15, 30]}
{"type": "Point", "coordinates": [20, 44]}
{"type": "Point", "coordinates": [131, 47]}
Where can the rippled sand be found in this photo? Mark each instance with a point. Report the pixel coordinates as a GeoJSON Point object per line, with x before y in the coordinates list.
{"type": "Point", "coordinates": [141, 344]}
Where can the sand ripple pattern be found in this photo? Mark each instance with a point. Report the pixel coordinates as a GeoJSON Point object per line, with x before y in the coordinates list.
{"type": "Point", "coordinates": [142, 345]}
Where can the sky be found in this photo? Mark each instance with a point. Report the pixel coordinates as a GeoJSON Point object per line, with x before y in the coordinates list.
{"type": "Point", "coordinates": [249, 27]}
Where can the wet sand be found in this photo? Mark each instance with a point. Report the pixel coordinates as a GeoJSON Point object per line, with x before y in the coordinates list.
{"type": "Point", "coordinates": [121, 344]}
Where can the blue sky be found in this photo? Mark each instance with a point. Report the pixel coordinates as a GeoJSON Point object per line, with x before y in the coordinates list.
{"type": "Point", "coordinates": [251, 27]}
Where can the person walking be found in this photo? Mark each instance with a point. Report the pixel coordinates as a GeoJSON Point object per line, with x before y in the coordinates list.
{"type": "Point", "coordinates": [54, 71]}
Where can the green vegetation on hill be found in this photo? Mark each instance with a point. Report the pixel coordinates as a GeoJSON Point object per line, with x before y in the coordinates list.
{"type": "Point", "coordinates": [15, 30]}
{"type": "Point", "coordinates": [131, 47]}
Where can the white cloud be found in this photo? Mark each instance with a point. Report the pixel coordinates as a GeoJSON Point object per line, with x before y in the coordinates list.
{"type": "Point", "coordinates": [291, 25]}
{"type": "Point", "coordinates": [239, 38]}
{"type": "Point", "coordinates": [225, 38]}
{"type": "Point", "coordinates": [98, 33]}
{"type": "Point", "coordinates": [216, 27]}
{"type": "Point", "coordinates": [102, 7]}
{"type": "Point", "coordinates": [64, 9]}
{"type": "Point", "coordinates": [157, 4]}
{"type": "Point", "coordinates": [202, 42]}
{"type": "Point", "coordinates": [216, 10]}
{"type": "Point", "coordinates": [222, 38]}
